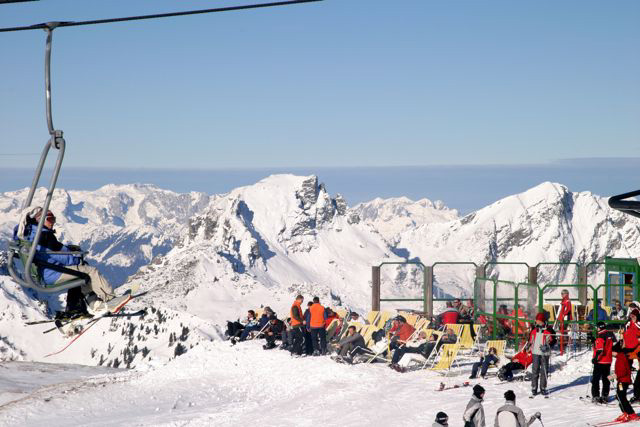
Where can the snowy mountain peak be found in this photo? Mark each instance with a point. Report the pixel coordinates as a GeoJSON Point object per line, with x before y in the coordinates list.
{"type": "Point", "coordinates": [285, 208]}
{"type": "Point", "coordinates": [392, 216]}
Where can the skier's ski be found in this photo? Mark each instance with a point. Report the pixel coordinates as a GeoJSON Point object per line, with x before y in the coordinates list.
{"type": "Point", "coordinates": [62, 323]}
{"type": "Point", "coordinates": [443, 387]}
{"type": "Point", "coordinates": [609, 423]}
{"type": "Point", "coordinates": [93, 321]}
{"type": "Point", "coordinates": [587, 400]}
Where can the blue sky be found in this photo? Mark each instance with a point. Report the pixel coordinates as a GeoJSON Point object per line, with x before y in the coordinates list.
{"type": "Point", "coordinates": [337, 83]}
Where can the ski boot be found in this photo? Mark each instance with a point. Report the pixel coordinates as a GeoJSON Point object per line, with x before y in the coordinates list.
{"type": "Point", "coordinates": [623, 418]}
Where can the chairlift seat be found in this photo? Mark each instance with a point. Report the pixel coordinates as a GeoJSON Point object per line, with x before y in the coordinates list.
{"type": "Point", "coordinates": [34, 280]}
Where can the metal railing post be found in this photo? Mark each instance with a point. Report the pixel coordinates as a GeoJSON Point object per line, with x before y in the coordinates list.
{"type": "Point", "coordinates": [428, 291]}
{"type": "Point", "coordinates": [375, 288]}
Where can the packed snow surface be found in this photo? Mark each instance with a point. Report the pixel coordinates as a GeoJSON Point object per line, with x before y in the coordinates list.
{"type": "Point", "coordinates": [220, 385]}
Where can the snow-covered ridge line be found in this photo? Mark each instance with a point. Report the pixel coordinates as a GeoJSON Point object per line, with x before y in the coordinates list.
{"type": "Point", "coordinates": [213, 257]}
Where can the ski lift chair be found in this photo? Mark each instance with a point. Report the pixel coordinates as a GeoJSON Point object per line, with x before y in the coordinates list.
{"type": "Point", "coordinates": [26, 270]}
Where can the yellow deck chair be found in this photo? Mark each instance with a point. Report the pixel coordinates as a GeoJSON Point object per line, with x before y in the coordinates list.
{"type": "Point", "coordinates": [447, 357]}
{"type": "Point", "coordinates": [411, 319]}
{"type": "Point", "coordinates": [382, 319]}
{"type": "Point", "coordinates": [341, 312]}
{"type": "Point", "coordinates": [421, 323]}
{"type": "Point", "coordinates": [367, 332]}
{"type": "Point", "coordinates": [432, 357]}
{"type": "Point", "coordinates": [372, 316]}
{"type": "Point", "coordinates": [428, 331]}
{"type": "Point", "coordinates": [259, 312]}
{"type": "Point", "coordinates": [552, 311]}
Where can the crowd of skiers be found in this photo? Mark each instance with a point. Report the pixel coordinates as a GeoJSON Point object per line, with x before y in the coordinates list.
{"type": "Point", "coordinates": [312, 331]}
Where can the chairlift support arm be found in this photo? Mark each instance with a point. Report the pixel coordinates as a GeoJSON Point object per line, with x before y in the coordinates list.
{"type": "Point", "coordinates": [630, 207]}
{"type": "Point", "coordinates": [57, 142]}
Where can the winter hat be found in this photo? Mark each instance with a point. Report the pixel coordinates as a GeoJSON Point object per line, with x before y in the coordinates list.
{"type": "Point", "coordinates": [48, 216]}
{"type": "Point", "coordinates": [540, 317]}
{"type": "Point", "coordinates": [478, 390]}
{"type": "Point", "coordinates": [442, 418]}
{"type": "Point", "coordinates": [510, 396]}
{"type": "Point", "coordinates": [601, 325]}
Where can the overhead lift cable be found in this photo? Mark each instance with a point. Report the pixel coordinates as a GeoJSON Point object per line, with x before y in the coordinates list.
{"type": "Point", "coordinates": [49, 25]}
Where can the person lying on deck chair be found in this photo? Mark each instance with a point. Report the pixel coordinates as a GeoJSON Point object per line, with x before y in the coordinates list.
{"type": "Point", "coordinates": [256, 327]}
{"type": "Point", "coordinates": [351, 345]}
{"type": "Point", "coordinates": [519, 361]}
{"type": "Point", "coordinates": [485, 361]}
{"type": "Point", "coordinates": [234, 329]}
{"type": "Point", "coordinates": [449, 337]}
{"type": "Point", "coordinates": [400, 332]}
{"type": "Point", "coordinates": [418, 345]}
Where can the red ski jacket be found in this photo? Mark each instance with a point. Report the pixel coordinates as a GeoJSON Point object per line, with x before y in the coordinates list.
{"type": "Point", "coordinates": [602, 347]}
{"type": "Point", "coordinates": [449, 316]}
{"type": "Point", "coordinates": [525, 358]}
{"type": "Point", "coordinates": [565, 310]}
{"type": "Point", "coordinates": [404, 332]}
{"type": "Point", "coordinates": [622, 369]}
{"type": "Point", "coordinates": [630, 335]}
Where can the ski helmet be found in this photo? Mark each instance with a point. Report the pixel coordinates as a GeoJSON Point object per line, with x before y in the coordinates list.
{"type": "Point", "coordinates": [601, 325]}
{"type": "Point", "coordinates": [478, 391]}
{"type": "Point", "coordinates": [442, 418]}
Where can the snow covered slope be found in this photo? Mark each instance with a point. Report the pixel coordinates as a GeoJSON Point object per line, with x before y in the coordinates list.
{"type": "Point", "coordinates": [219, 385]}
{"type": "Point", "coordinates": [122, 226]}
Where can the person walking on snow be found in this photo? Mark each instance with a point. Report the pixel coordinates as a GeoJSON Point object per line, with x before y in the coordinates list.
{"type": "Point", "coordinates": [297, 324]}
{"type": "Point", "coordinates": [509, 412]}
{"type": "Point", "coordinates": [541, 339]}
{"type": "Point", "coordinates": [474, 413]}
{"type": "Point", "coordinates": [623, 376]}
{"type": "Point", "coordinates": [318, 331]}
{"type": "Point", "coordinates": [602, 358]}
{"type": "Point", "coordinates": [442, 420]}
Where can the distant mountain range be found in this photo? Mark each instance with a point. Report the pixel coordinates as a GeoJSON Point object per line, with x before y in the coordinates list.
{"type": "Point", "coordinates": [205, 259]}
